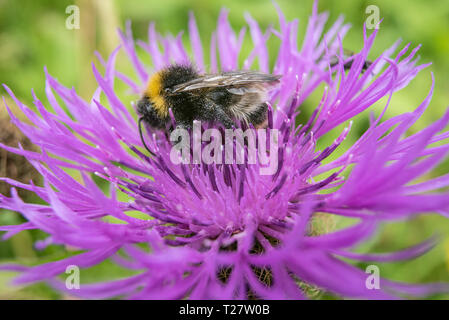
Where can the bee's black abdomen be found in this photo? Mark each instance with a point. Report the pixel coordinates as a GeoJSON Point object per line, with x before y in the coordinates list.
{"type": "Point", "coordinates": [223, 97]}
{"type": "Point", "coordinates": [149, 114]}
{"type": "Point", "coordinates": [259, 116]}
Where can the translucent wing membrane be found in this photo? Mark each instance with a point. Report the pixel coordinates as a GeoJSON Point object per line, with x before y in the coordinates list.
{"type": "Point", "coordinates": [229, 79]}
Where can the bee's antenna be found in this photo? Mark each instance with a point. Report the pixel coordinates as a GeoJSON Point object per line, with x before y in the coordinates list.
{"type": "Point", "coordinates": [141, 137]}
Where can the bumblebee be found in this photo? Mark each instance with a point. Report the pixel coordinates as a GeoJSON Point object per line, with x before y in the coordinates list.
{"type": "Point", "coordinates": [217, 98]}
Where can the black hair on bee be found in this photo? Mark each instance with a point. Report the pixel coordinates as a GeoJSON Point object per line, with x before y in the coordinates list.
{"type": "Point", "coordinates": [217, 98]}
{"type": "Point", "coordinates": [347, 65]}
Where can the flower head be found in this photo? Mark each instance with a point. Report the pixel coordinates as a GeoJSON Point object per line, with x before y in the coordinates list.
{"type": "Point", "coordinates": [223, 231]}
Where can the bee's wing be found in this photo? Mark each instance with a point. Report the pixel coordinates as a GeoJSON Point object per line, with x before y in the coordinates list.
{"type": "Point", "coordinates": [237, 82]}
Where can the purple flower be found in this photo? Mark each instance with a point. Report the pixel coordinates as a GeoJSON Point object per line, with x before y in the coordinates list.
{"type": "Point", "coordinates": [212, 231]}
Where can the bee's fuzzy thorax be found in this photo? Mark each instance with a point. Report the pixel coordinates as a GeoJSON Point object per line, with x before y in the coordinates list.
{"type": "Point", "coordinates": [177, 74]}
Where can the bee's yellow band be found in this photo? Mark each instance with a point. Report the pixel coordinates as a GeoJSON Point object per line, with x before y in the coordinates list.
{"type": "Point", "coordinates": [153, 92]}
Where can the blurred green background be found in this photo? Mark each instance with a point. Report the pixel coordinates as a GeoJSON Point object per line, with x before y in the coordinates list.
{"type": "Point", "coordinates": [33, 34]}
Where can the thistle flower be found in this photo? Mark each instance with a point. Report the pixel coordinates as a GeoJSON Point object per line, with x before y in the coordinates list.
{"type": "Point", "coordinates": [212, 231]}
